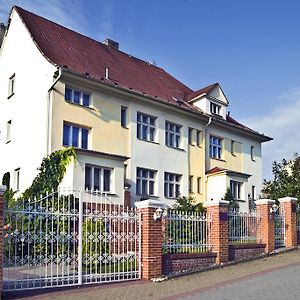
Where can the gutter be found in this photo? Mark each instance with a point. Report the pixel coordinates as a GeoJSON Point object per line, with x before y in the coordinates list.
{"type": "Point", "coordinates": [49, 111]}
{"type": "Point", "coordinates": [204, 157]}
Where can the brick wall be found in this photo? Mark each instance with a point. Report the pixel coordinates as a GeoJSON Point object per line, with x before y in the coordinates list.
{"type": "Point", "coordinates": [174, 263]}
{"type": "Point", "coordinates": [244, 251]}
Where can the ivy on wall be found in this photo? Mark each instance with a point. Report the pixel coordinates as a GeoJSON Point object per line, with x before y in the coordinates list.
{"type": "Point", "coordinates": [51, 173]}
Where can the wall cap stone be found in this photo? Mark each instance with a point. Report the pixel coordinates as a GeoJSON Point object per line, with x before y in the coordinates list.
{"type": "Point", "coordinates": [150, 204]}
{"type": "Point", "coordinates": [264, 201]}
{"type": "Point", "coordinates": [2, 189]}
{"type": "Point", "coordinates": [217, 203]}
{"type": "Point", "coordinates": [287, 199]}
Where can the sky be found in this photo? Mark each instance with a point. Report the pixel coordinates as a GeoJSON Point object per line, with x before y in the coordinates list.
{"type": "Point", "coordinates": [252, 48]}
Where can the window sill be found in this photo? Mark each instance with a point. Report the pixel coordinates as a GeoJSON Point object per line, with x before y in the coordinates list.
{"type": "Point", "coordinates": [81, 105]}
{"type": "Point", "coordinates": [152, 142]}
{"type": "Point", "coordinates": [218, 159]}
{"type": "Point", "coordinates": [180, 149]}
{"type": "Point", "coordinates": [125, 127]}
{"type": "Point", "coordinates": [240, 200]}
{"type": "Point", "coordinates": [101, 193]}
{"type": "Point", "coordinates": [145, 197]}
{"type": "Point", "coordinates": [171, 198]}
{"type": "Point", "coordinates": [8, 142]}
{"type": "Point", "coordinates": [10, 95]}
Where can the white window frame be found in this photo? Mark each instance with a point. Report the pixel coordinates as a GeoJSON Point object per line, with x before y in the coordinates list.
{"type": "Point", "coordinates": [191, 185]}
{"type": "Point", "coordinates": [215, 109]}
{"type": "Point", "coordinates": [101, 178]}
{"type": "Point", "coordinates": [17, 179]}
{"type": "Point", "coordinates": [70, 141]}
{"type": "Point", "coordinates": [198, 138]}
{"type": "Point", "coordinates": [11, 85]}
{"type": "Point", "coordinates": [173, 185]}
{"type": "Point", "coordinates": [199, 187]}
{"type": "Point", "coordinates": [252, 153]}
{"type": "Point", "coordinates": [148, 179]}
{"type": "Point", "coordinates": [173, 134]}
{"type": "Point", "coordinates": [191, 136]}
{"type": "Point", "coordinates": [81, 92]}
{"type": "Point", "coordinates": [8, 131]}
{"type": "Point", "coordinates": [124, 110]}
{"type": "Point", "coordinates": [215, 147]}
{"type": "Point", "coordinates": [236, 189]}
{"type": "Point", "coordinates": [148, 123]}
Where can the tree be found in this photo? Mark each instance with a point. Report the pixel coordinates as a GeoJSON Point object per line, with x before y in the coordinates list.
{"type": "Point", "coordinates": [188, 204]}
{"type": "Point", "coordinates": [233, 204]}
{"type": "Point", "coordinates": [286, 179]}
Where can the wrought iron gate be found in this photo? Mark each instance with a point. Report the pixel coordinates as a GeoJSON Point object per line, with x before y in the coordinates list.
{"type": "Point", "coordinates": [279, 222]}
{"type": "Point", "coordinates": [70, 238]}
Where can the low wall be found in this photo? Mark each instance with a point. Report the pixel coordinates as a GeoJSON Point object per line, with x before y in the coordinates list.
{"type": "Point", "coordinates": [179, 262]}
{"type": "Point", "coordinates": [244, 251]}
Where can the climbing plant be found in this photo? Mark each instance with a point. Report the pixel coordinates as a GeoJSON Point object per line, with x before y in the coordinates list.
{"type": "Point", "coordinates": [51, 173]}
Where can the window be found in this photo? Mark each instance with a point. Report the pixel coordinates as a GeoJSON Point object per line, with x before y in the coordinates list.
{"type": "Point", "coordinates": [97, 178]}
{"type": "Point", "coordinates": [8, 131]}
{"type": "Point", "coordinates": [215, 147]}
{"type": "Point", "coordinates": [215, 109]}
{"type": "Point", "coordinates": [75, 136]}
{"type": "Point", "coordinates": [123, 116]}
{"type": "Point", "coordinates": [11, 85]}
{"type": "Point", "coordinates": [191, 184]}
{"type": "Point", "coordinates": [253, 192]}
{"type": "Point", "coordinates": [173, 135]}
{"type": "Point", "coordinates": [198, 138]}
{"type": "Point", "coordinates": [252, 153]}
{"type": "Point", "coordinates": [145, 180]}
{"type": "Point", "coordinates": [145, 127]}
{"type": "Point", "coordinates": [232, 148]}
{"type": "Point", "coordinates": [172, 185]}
{"type": "Point", "coordinates": [235, 188]}
{"type": "Point", "coordinates": [17, 179]}
{"type": "Point", "coordinates": [199, 185]}
{"type": "Point", "coordinates": [77, 96]}
{"type": "Point", "coordinates": [191, 131]}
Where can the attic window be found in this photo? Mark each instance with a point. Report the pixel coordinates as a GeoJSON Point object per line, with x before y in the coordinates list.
{"type": "Point", "coordinates": [215, 109]}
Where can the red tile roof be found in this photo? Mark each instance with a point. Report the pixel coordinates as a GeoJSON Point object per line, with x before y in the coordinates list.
{"type": "Point", "coordinates": [219, 170]}
{"type": "Point", "coordinates": [67, 48]}
{"type": "Point", "coordinates": [70, 50]}
{"type": "Point", "coordinates": [202, 91]}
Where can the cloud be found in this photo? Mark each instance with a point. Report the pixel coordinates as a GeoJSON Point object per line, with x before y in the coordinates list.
{"type": "Point", "coordinates": [283, 124]}
{"type": "Point", "coordinates": [69, 13]}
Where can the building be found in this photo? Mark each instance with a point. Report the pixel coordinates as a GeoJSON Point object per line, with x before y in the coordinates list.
{"type": "Point", "coordinates": [126, 117]}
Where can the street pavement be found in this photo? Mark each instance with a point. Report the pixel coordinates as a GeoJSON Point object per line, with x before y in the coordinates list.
{"type": "Point", "coordinates": [275, 277]}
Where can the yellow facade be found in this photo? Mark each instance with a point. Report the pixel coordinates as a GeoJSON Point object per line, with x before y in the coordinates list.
{"type": "Point", "coordinates": [196, 167]}
{"type": "Point", "coordinates": [231, 160]}
{"type": "Point", "coordinates": [102, 119]}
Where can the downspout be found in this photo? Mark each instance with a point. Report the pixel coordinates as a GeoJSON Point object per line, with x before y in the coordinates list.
{"type": "Point", "coordinates": [49, 121]}
{"type": "Point", "coordinates": [204, 157]}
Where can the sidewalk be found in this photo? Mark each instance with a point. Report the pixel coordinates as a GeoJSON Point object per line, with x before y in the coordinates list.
{"type": "Point", "coordinates": [174, 288]}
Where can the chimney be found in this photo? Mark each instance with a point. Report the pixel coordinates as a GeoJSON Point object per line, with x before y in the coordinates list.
{"type": "Point", "coordinates": [2, 32]}
{"type": "Point", "coordinates": [111, 43]}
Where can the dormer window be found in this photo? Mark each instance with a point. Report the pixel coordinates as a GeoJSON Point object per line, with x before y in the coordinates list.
{"type": "Point", "coordinates": [215, 109]}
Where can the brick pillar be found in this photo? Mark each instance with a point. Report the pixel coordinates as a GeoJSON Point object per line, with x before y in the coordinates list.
{"type": "Point", "coordinates": [218, 212]}
{"type": "Point", "coordinates": [127, 198]}
{"type": "Point", "coordinates": [289, 207]}
{"type": "Point", "coordinates": [266, 226]}
{"type": "Point", "coordinates": [152, 239]}
{"type": "Point", "coordinates": [2, 191]}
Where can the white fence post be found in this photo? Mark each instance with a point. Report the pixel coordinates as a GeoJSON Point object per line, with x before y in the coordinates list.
{"type": "Point", "coordinates": [80, 237]}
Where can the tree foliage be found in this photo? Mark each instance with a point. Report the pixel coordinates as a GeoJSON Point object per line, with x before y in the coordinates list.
{"type": "Point", "coordinates": [286, 179]}
{"type": "Point", "coordinates": [188, 204]}
{"type": "Point", "coordinates": [233, 204]}
{"type": "Point", "coordinates": [51, 173]}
